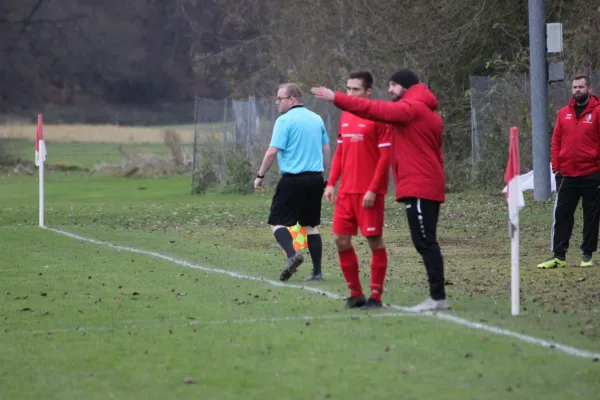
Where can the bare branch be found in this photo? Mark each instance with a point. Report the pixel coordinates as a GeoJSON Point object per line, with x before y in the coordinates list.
{"type": "Point", "coordinates": [34, 10]}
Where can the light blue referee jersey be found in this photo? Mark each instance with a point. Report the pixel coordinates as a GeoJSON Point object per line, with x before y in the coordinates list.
{"type": "Point", "coordinates": [299, 134]}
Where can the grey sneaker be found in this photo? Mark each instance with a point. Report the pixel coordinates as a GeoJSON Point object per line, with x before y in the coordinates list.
{"type": "Point", "coordinates": [431, 305]}
{"type": "Point", "coordinates": [291, 267]}
{"type": "Point", "coordinates": [313, 277]}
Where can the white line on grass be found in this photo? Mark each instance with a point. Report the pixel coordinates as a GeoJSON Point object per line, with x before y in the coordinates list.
{"type": "Point", "coordinates": [196, 322]}
{"type": "Point", "coordinates": [443, 316]}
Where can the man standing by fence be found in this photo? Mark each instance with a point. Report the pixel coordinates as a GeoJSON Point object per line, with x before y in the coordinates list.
{"type": "Point", "coordinates": [417, 164]}
{"type": "Point", "coordinates": [576, 163]}
{"type": "Point", "coordinates": [301, 145]}
{"type": "Point", "coordinates": [362, 159]}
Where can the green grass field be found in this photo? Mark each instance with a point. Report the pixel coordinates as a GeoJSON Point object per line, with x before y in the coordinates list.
{"type": "Point", "coordinates": [81, 319]}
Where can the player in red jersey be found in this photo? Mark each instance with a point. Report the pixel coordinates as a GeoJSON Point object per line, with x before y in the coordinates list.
{"type": "Point", "coordinates": [362, 159]}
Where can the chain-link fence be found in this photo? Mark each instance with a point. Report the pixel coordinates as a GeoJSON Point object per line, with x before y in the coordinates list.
{"type": "Point", "coordinates": [497, 104]}
{"type": "Point", "coordinates": [231, 136]}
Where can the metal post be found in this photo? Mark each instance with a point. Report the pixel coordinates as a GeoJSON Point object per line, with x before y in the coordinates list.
{"type": "Point", "coordinates": [248, 126]}
{"type": "Point", "coordinates": [195, 150]}
{"type": "Point", "coordinates": [224, 130]}
{"type": "Point", "coordinates": [539, 101]}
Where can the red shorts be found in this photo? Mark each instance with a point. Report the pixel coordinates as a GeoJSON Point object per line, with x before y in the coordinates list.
{"type": "Point", "coordinates": [349, 215]}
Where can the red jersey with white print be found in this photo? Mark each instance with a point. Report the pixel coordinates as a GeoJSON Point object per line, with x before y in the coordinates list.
{"type": "Point", "coordinates": [359, 144]}
{"type": "Point", "coordinates": [576, 140]}
{"type": "Point", "coordinates": [417, 130]}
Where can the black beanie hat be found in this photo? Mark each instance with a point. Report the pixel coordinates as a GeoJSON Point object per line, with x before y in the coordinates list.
{"type": "Point", "coordinates": [405, 78]}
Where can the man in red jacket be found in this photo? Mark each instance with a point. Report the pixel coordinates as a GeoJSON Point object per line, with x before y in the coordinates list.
{"type": "Point", "coordinates": [362, 159]}
{"type": "Point", "coordinates": [576, 163]}
{"type": "Point", "coordinates": [417, 163]}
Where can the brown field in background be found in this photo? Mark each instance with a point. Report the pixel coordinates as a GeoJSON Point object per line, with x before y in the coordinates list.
{"type": "Point", "coordinates": [96, 133]}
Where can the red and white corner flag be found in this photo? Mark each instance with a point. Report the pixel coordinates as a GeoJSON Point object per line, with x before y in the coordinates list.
{"type": "Point", "coordinates": [514, 196]}
{"type": "Point", "coordinates": [40, 146]}
{"type": "Point", "coordinates": [514, 193]}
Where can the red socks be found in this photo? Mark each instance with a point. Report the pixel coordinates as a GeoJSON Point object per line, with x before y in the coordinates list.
{"type": "Point", "coordinates": [378, 269]}
{"type": "Point", "coordinates": [349, 265]}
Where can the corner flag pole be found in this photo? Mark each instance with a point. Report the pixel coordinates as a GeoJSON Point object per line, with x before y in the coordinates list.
{"type": "Point", "coordinates": [40, 157]}
{"type": "Point", "coordinates": [42, 195]}
{"type": "Point", "coordinates": [514, 270]}
{"type": "Point", "coordinates": [514, 196]}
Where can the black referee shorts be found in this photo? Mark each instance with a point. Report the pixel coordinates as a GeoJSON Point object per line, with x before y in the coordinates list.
{"type": "Point", "coordinates": [297, 199]}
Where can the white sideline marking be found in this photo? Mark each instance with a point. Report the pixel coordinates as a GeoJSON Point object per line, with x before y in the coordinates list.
{"type": "Point", "coordinates": [196, 322]}
{"type": "Point", "coordinates": [443, 316]}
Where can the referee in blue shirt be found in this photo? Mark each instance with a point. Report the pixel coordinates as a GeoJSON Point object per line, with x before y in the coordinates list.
{"type": "Point", "coordinates": [301, 145]}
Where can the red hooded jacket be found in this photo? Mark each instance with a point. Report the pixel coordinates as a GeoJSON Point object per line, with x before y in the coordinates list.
{"type": "Point", "coordinates": [417, 130]}
{"type": "Point", "coordinates": [576, 141]}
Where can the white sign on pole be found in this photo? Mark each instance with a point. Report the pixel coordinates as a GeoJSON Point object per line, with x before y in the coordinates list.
{"type": "Point", "coordinates": [554, 37]}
